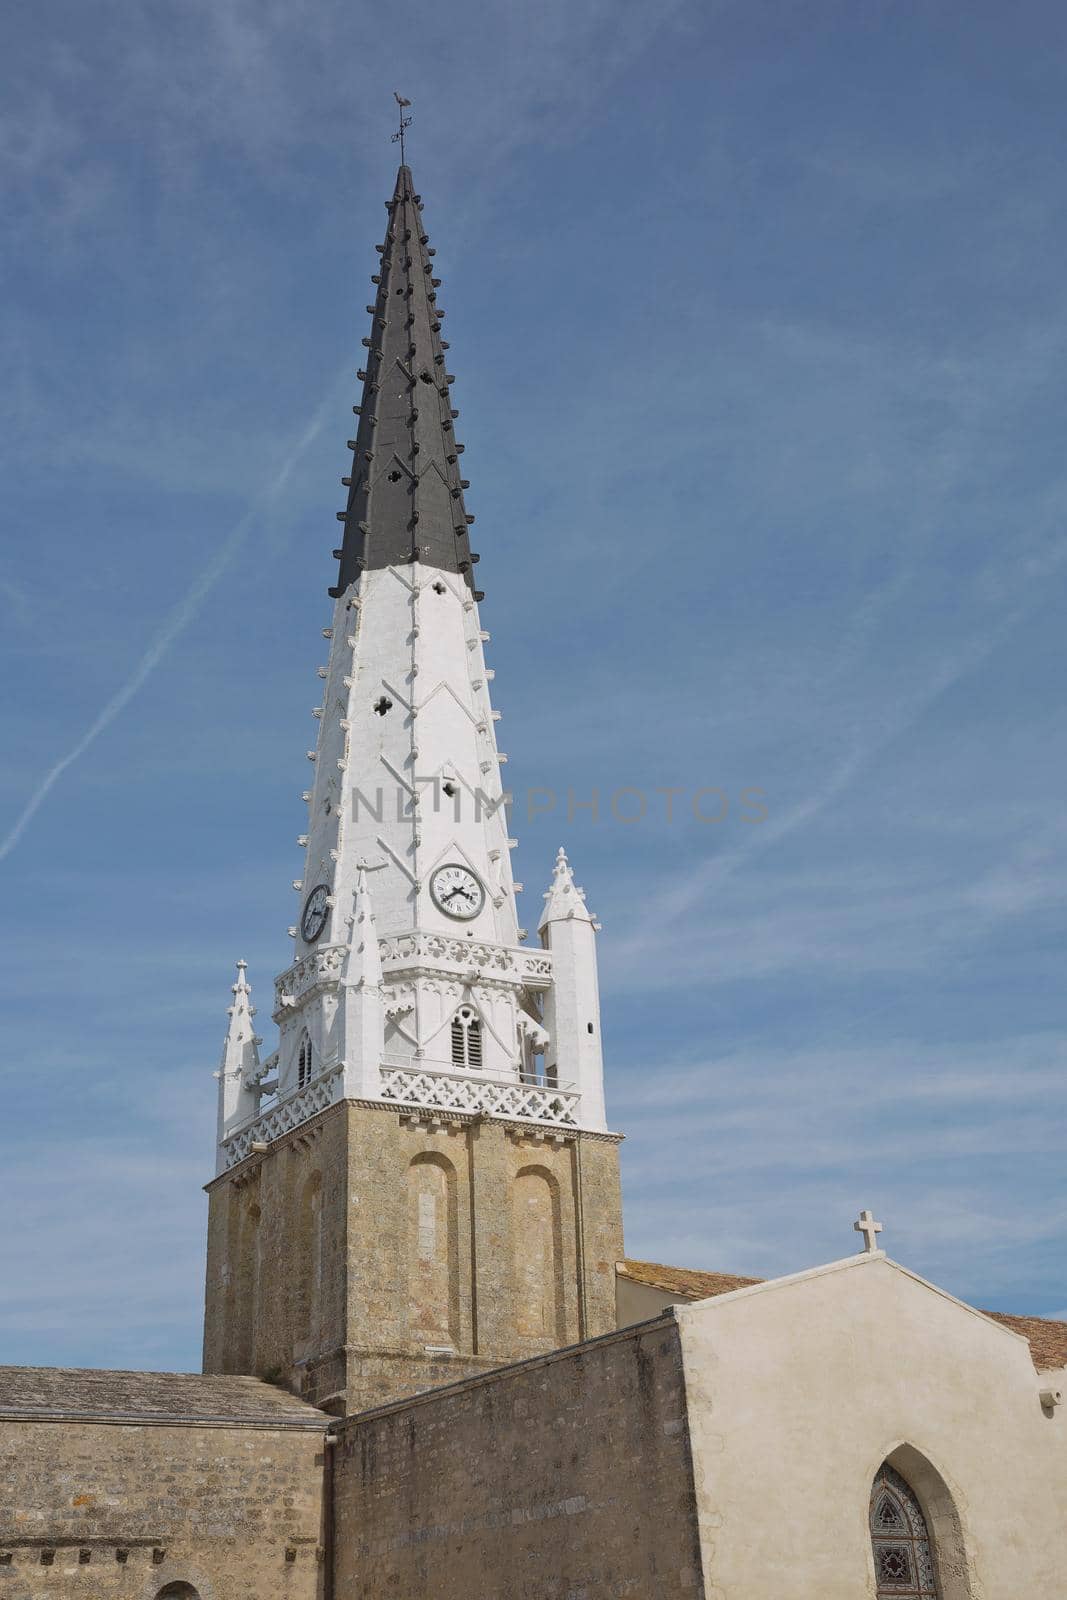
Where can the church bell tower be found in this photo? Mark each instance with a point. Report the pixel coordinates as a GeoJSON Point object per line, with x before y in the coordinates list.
{"type": "Point", "coordinates": [419, 1182]}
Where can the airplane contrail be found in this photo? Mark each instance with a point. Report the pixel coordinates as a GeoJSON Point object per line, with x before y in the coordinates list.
{"type": "Point", "coordinates": [176, 623]}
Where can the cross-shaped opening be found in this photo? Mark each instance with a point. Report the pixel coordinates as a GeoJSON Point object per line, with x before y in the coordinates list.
{"type": "Point", "coordinates": [394, 476]}
{"type": "Point", "coordinates": [439, 588]}
{"type": "Point", "coordinates": [449, 788]}
{"type": "Point", "coordinates": [383, 705]}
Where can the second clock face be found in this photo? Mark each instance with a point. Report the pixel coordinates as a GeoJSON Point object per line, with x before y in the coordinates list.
{"type": "Point", "coordinates": [316, 910]}
{"type": "Point", "coordinates": [457, 892]}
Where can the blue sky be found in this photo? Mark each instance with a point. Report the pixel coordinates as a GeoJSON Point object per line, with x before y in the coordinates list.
{"type": "Point", "coordinates": [759, 321]}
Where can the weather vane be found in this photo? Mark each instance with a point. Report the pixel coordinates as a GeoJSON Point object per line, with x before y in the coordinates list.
{"type": "Point", "coordinates": [405, 123]}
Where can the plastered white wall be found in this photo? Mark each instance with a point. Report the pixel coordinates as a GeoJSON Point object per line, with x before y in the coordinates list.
{"type": "Point", "coordinates": [800, 1388]}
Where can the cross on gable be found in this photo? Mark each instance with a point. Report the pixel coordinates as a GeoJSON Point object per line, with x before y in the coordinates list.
{"type": "Point", "coordinates": [869, 1229]}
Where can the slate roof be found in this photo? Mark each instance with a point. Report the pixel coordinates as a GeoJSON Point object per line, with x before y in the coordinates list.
{"type": "Point", "coordinates": [1047, 1339]}
{"type": "Point", "coordinates": [92, 1393]}
{"type": "Point", "coordinates": [405, 493]}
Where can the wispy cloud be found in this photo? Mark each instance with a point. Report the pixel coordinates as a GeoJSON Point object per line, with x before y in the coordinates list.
{"type": "Point", "coordinates": [771, 1148]}
{"type": "Point", "coordinates": [174, 625]}
{"type": "Point", "coordinates": [763, 402]}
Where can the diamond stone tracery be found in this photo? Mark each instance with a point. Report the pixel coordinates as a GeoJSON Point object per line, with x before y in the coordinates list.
{"type": "Point", "coordinates": [444, 1092]}
{"type": "Point", "coordinates": [285, 1116]}
{"type": "Point", "coordinates": [411, 1087]}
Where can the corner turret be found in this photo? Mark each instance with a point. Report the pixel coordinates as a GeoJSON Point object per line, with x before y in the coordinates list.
{"type": "Point", "coordinates": [239, 1068]}
{"type": "Point", "coordinates": [572, 1004]}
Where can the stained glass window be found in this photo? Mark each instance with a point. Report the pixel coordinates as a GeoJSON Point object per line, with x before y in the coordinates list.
{"type": "Point", "coordinates": [903, 1565]}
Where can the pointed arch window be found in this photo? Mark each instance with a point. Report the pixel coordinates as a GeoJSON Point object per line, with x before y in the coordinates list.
{"type": "Point", "coordinates": [903, 1560]}
{"type": "Point", "coordinates": [466, 1039]}
{"type": "Point", "coordinates": [304, 1060]}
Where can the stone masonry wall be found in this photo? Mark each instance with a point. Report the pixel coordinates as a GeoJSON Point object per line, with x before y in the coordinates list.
{"type": "Point", "coordinates": [277, 1232]}
{"type": "Point", "coordinates": [90, 1511]}
{"type": "Point", "coordinates": [567, 1478]}
{"type": "Point", "coordinates": [374, 1252]}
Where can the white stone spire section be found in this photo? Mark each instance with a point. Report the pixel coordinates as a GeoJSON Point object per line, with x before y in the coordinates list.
{"type": "Point", "coordinates": [572, 1004]}
{"type": "Point", "coordinates": [431, 1000]}
{"type": "Point", "coordinates": [239, 1069]}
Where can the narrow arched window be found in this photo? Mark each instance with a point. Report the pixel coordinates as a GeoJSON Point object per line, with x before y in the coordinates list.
{"type": "Point", "coordinates": [903, 1560]}
{"type": "Point", "coordinates": [466, 1039]}
{"type": "Point", "coordinates": [304, 1060]}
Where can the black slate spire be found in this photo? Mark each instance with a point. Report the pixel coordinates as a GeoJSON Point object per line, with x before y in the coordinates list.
{"type": "Point", "coordinates": [405, 497]}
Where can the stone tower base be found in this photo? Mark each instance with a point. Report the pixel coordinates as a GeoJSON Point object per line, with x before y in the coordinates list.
{"type": "Point", "coordinates": [375, 1251]}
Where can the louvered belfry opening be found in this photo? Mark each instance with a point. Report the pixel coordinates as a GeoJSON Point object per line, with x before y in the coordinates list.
{"type": "Point", "coordinates": [466, 1039]}
{"type": "Point", "coordinates": [304, 1061]}
{"type": "Point", "coordinates": [405, 492]}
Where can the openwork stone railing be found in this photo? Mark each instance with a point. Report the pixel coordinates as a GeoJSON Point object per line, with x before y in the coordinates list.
{"type": "Point", "coordinates": [417, 951]}
{"type": "Point", "coordinates": [446, 1091]}
{"type": "Point", "coordinates": [434, 952]}
{"type": "Point", "coordinates": [411, 1086]}
{"type": "Point", "coordinates": [285, 1116]}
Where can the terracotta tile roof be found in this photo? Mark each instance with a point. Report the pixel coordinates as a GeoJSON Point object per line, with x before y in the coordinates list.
{"type": "Point", "coordinates": [681, 1280]}
{"type": "Point", "coordinates": [149, 1396]}
{"type": "Point", "coordinates": [1048, 1340]}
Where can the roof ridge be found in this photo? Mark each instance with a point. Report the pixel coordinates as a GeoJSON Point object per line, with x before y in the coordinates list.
{"type": "Point", "coordinates": [1046, 1336]}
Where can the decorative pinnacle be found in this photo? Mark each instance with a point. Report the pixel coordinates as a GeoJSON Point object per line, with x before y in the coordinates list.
{"type": "Point", "coordinates": [362, 961]}
{"type": "Point", "coordinates": [239, 1052]}
{"type": "Point", "coordinates": [564, 901]}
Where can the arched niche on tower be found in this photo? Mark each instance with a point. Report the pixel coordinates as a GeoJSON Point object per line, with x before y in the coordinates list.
{"type": "Point", "coordinates": [537, 1258]}
{"type": "Point", "coordinates": [242, 1277]}
{"type": "Point", "coordinates": [939, 1508]}
{"type": "Point", "coordinates": [307, 1279]}
{"type": "Point", "coordinates": [433, 1250]}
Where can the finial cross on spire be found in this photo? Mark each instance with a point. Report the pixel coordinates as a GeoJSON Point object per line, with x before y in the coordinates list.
{"type": "Point", "coordinates": [869, 1229]}
{"type": "Point", "coordinates": [405, 124]}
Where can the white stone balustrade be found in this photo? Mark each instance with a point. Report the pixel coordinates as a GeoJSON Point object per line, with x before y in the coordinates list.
{"type": "Point", "coordinates": [283, 1117]}
{"type": "Point", "coordinates": [453, 1091]}
{"type": "Point", "coordinates": [427, 1088]}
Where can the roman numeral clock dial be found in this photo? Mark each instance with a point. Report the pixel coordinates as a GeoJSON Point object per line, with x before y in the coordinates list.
{"type": "Point", "coordinates": [316, 910]}
{"type": "Point", "coordinates": [457, 892]}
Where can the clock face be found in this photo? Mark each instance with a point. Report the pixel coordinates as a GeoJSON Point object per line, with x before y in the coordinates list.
{"type": "Point", "coordinates": [457, 892]}
{"type": "Point", "coordinates": [316, 910]}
